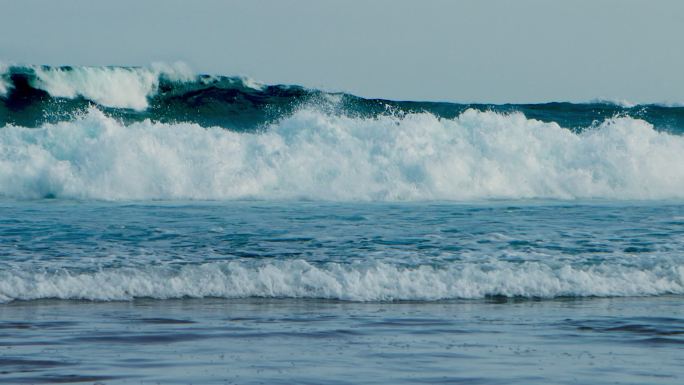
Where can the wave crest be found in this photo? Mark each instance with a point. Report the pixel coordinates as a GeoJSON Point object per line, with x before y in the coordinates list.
{"type": "Point", "coordinates": [119, 87]}
{"type": "Point", "coordinates": [4, 84]}
{"type": "Point", "coordinates": [314, 155]}
{"type": "Point", "coordinates": [377, 282]}
{"type": "Point", "coordinates": [32, 95]}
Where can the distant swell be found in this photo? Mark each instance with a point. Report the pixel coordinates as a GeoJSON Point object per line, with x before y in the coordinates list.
{"type": "Point", "coordinates": [31, 96]}
{"type": "Point", "coordinates": [377, 282]}
{"type": "Point", "coordinates": [313, 154]}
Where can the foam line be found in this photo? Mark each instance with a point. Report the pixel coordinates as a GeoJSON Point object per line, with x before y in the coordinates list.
{"type": "Point", "coordinates": [356, 282]}
{"type": "Point", "coordinates": [315, 155]}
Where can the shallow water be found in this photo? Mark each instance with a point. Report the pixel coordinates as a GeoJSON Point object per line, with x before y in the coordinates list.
{"type": "Point", "coordinates": [218, 341]}
{"type": "Point", "coordinates": [533, 292]}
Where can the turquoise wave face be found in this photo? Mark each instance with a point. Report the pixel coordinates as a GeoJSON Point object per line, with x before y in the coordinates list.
{"type": "Point", "coordinates": [31, 96]}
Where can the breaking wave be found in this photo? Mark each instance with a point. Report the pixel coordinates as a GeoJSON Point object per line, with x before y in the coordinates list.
{"type": "Point", "coordinates": [313, 154]}
{"type": "Point", "coordinates": [31, 96]}
{"type": "Point", "coordinates": [117, 87]}
{"type": "Point", "coordinates": [376, 282]}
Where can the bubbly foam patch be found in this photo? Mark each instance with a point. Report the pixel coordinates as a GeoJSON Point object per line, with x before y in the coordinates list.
{"type": "Point", "coordinates": [383, 282]}
{"type": "Point", "coordinates": [119, 87]}
{"type": "Point", "coordinates": [313, 155]}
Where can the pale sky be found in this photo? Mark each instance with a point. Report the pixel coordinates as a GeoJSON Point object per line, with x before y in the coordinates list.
{"type": "Point", "coordinates": [463, 51]}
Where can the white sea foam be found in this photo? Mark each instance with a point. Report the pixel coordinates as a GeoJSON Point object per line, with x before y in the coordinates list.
{"type": "Point", "coordinates": [251, 83]}
{"type": "Point", "coordinates": [177, 71]}
{"type": "Point", "coordinates": [312, 155]}
{"type": "Point", "coordinates": [4, 83]}
{"type": "Point", "coordinates": [121, 87]}
{"type": "Point", "coordinates": [299, 279]}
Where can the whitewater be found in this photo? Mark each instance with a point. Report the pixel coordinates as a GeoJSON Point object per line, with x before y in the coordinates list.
{"type": "Point", "coordinates": [315, 155]}
{"type": "Point", "coordinates": [382, 282]}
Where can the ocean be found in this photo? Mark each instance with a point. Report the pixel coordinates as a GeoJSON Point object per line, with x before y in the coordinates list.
{"type": "Point", "coordinates": [159, 226]}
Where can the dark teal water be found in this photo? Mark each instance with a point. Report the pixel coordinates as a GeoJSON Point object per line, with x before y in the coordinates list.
{"type": "Point", "coordinates": [268, 341]}
{"type": "Point", "coordinates": [39, 94]}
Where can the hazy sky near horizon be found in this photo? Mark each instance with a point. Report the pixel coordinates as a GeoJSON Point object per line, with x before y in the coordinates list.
{"type": "Point", "coordinates": [464, 51]}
